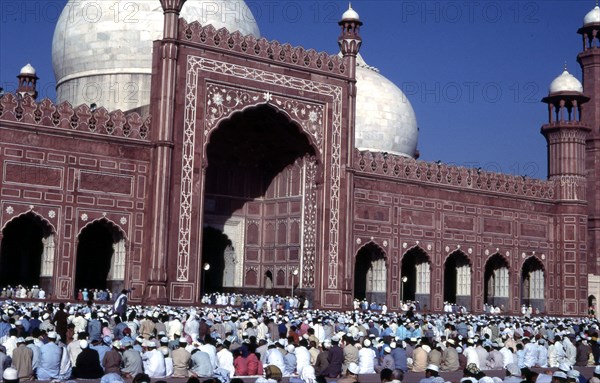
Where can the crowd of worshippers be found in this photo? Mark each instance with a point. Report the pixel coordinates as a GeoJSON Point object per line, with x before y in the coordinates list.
{"type": "Point", "coordinates": [45, 341]}
{"type": "Point", "coordinates": [22, 292]}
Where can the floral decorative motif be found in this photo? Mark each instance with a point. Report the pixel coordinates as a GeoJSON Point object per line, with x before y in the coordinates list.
{"type": "Point", "coordinates": [51, 214]}
{"type": "Point", "coordinates": [222, 101]}
{"type": "Point", "coordinates": [84, 217]}
{"type": "Point", "coordinates": [123, 220]}
{"type": "Point", "coordinates": [10, 210]}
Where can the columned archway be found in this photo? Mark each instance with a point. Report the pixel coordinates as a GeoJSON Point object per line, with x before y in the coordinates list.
{"type": "Point", "coordinates": [496, 282]}
{"type": "Point", "coordinates": [101, 255]}
{"type": "Point", "coordinates": [27, 252]}
{"type": "Point", "coordinates": [370, 274]}
{"type": "Point", "coordinates": [533, 284]}
{"type": "Point", "coordinates": [457, 279]}
{"type": "Point", "coordinates": [415, 279]}
{"type": "Point", "coordinates": [260, 165]}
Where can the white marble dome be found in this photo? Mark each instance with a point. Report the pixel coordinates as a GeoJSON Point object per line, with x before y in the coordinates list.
{"type": "Point", "coordinates": [385, 119]}
{"type": "Point", "coordinates": [592, 16]}
{"type": "Point", "coordinates": [102, 50]}
{"type": "Point", "coordinates": [566, 82]}
{"type": "Point", "coordinates": [28, 69]}
{"type": "Point", "coordinates": [350, 14]}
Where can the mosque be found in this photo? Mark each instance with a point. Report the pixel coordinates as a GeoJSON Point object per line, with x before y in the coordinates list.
{"type": "Point", "coordinates": [197, 156]}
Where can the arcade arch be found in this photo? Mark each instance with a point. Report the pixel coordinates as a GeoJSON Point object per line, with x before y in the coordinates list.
{"type": "Point", "coordinates": [496, 281]}
{"type": "Point", "coordinates": [533, 284]}
{"type": "Point", "coordinates": [370, 274]}
{"type": "Point", "coordinates": [27, 251]}
{"type": "Point", "coordinates": [415, 277]}
{"type": "Point", "coordinates": [101, 255]}
{"type": "Point", "coordinates": [457, 279]}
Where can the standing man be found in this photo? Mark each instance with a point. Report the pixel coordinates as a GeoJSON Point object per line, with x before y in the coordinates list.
{"type": "Point", "coordinates": [120, 306]}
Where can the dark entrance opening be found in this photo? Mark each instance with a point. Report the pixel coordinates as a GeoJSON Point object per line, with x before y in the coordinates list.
{"type": "Point", "coordinates": [408, 277]}
{"type": "Point", "coordinates": [94, 254]}
{"type": "Point", "coordinates": [492, 283]}
{"type": "Point", "coordinates": [533, 284]}
{"type": "Point", "coordinates": [455, 260]}
{"type": "Point", "coordinates": [213, 250]}
{"type": "Point", "coordinates": [22, 249]}
{"type": "Point", "coordinates": [256, 161]}
{"type": "Point", "coordinates": [365, 259]}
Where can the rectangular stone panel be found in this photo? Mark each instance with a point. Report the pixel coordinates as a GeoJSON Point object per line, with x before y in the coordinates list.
{"type": "Point", "coordinates": [533, 230]}
{"type": "Point", "coordinates": [34, 155]}
{"type": "Point", "coordinates": [182, 292]}
{"type": "Point", "coordinates": [497, 226]}
{"type": "Point", "coordinates": [10, 152]}
{"type": "Point", "coordinates": [416, 218]}
{"type": "Point", "coordinates": [252, 254]}
{"type": "Point", "coordinates": [569, 233]}
{"type": "Point", "coordinates": [105, 183]}
{"type": "Point", "coordinates": [32, 175]}
{"type": "Point", "coordinates": [370, 212]}
{"type": "Point", "coordinates": [332, 298]}
{"type": "Point", "coordinates": [458, 222]}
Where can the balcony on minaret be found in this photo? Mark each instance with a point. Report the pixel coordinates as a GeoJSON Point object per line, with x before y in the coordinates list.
{"type": "Point", "coordinates": [565, 100]}
{"type": "Point", "coordinates": [27, 82]}
{"type": "Point", "coordinates": [350, 40]}
{"type": "Point", "coordinates": [590, 29]}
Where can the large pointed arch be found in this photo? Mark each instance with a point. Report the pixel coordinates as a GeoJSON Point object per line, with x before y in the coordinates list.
{"type": "Point", "coordinates": [260, 177]}
{"type": "Point", "coordinates": [415, 276]}
{"type": "Point", "coordinates": [314, 138]}
{"type": "Point", "coordinates": [457, 279]}
{"type": "Point", "coordinates": [533, 283]}
{"type": "Point", "coordinates": [370, 273]}
{"type": "Point", "coordinates": [496, 288]}
{"type": "Point", "coordinates": [27, 251]}
{"type": "Point", "coordinates": [101, 256]}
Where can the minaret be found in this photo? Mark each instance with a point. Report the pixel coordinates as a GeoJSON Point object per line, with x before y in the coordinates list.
{"type": "Point", "coordinates": [350, 39]}
{"type": "Point", "coordinates": [349, 42]}
{"type": "Point", "coordinates": [589, 59]}
{"type": "Point", "coordinates": [566, 135]}
{"type": "Point", "coordinates": [163, 107]}
{"type": "Point", "coordinates": [27, 82]}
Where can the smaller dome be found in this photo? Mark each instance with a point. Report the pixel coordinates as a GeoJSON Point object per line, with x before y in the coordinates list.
{"type": "Point", "coordinates": [28, 69]}
{"type": "Point", "coordinates": [350, 14]}
{"type": "Point", "coordinates": [566, 82]}
{"type": "Point", "coordinates": [592, 16]}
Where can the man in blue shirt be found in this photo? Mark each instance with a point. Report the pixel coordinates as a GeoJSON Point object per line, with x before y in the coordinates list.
{"type": "Point", "coordinates": [50, 357]}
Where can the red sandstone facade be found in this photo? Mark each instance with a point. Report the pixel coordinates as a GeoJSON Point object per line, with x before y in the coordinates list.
{"type": "Point", "coordinates": [254, 139]}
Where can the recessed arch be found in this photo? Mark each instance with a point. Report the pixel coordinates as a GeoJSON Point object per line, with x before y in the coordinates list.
{"type": "Point", "coordinates": [457, 278]}
{"type": "Point", "coordinates": [285, 118]}
{"type": "Point", "coordinates": [260, 164]}
{"type": "Point", "coordinates": [370, 273]}
{"type": "Point", "coordinates": [415, 276]}
{"type": "Point", "coordinates": [101, 255]}
{"type": "Point", "coordinates": [533, 283]}
{"type": "Point", "coordinates": [496, 286]}
{"type": "Point", "coordinates": [27, 250]}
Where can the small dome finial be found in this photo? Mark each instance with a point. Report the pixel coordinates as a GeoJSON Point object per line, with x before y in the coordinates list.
{"type": "Point", "coordinates": [565, 66]}
{"type": "Point", "coordinates": [350, 14]}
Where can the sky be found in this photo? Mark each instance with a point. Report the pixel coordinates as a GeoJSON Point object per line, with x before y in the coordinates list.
{"type": "Point", "coordinates": [474, 71]}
